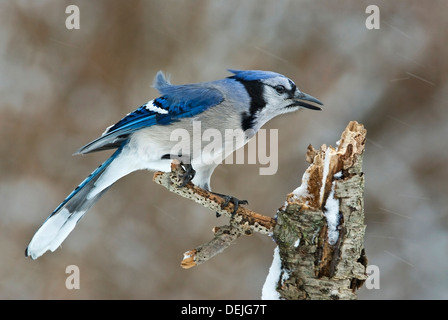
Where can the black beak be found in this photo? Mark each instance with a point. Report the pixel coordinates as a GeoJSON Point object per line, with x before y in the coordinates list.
{"type": "Point", "coordinates": [301, 99]}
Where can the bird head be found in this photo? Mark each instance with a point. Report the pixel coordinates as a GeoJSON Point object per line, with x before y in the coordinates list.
{"type": "Point", "coordinates": [271, 94]}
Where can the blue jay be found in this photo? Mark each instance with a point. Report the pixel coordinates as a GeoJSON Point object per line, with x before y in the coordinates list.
{"type": "Point", "coordinates": [246, 100]}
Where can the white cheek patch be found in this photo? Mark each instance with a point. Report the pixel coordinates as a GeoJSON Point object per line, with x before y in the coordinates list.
{"type": "Point", "coordinates": [151, 107]}
{"type": "Point", "coordinates": [272, 98]}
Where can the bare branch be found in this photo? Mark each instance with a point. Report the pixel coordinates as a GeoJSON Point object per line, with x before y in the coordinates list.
{"type": "Point", "coordinates": [245, 221]}
{"type": "Point", "coordinates": [224, 236]}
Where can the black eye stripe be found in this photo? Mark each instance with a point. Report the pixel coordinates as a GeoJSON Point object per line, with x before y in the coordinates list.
{"type": "Point", "coordinates": [293, 86]}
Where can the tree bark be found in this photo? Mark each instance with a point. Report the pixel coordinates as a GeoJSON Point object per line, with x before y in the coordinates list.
{"type": "Point", "coordinates": [320, 229]}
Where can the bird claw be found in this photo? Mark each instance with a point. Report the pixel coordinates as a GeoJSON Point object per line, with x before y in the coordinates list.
{"type": "Point", "coordinates": [230, 199]}
{"type": "Point", "coordinates": [188, 174]}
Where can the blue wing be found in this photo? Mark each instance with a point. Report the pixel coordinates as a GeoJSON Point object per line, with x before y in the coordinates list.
{"type": "Point", "coordinates": [176, 102]}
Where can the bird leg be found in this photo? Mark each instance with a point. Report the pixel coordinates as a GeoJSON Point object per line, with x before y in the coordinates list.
{"type": "Point", "coordinates": [230, 199]}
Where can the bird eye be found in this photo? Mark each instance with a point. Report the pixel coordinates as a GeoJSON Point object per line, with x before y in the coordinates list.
{"type": "Point", "coordinates": [280, 89]}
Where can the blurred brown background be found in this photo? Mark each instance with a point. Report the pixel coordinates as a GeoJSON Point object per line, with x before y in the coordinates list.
{"type": "Point", "coordinates": [61, 88]}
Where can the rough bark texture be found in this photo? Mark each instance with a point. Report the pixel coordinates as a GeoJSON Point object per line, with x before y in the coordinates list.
{"type": "Point", "coordinates": [313, 266]}
{"type": "Point", "coordinates": [224, 236]}
{"type": "Point", "coordinates": [244, 222]}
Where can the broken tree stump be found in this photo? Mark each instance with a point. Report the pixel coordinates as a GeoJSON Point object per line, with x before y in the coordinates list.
{"type": "Point", "coordinates": [320, 229]}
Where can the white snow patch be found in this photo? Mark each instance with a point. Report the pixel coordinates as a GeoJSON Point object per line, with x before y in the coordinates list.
{"type": "Point", "coordinates": [269, 291]}
{"type": "Point", "coordinates": [302, 190]}
{"type": "Point", "coordinates": [334, 292]}
{"type": "Point", "coordinates": [332, 216]}
{"type": "Point", "coordinates": [338, 175]}
{"type": "Point", "coordinates": [285, 275]}
{"type": "Point", "coordinates": [296, 243]}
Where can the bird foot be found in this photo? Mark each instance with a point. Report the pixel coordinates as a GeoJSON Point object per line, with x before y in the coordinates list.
{"type": "Point", "coordinates": [230, 199]}
{"type": "Point", "coordinates": [188, 175]}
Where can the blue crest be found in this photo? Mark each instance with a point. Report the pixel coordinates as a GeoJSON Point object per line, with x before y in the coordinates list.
{"type": "Point", "coordinates": [250, 75]}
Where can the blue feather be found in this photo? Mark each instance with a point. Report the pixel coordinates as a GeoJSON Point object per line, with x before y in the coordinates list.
{"type": "Point", "coordinates": [160, 81]}
{"type": "Point", "coordinates": [90, 180]}
{"type": "Point", "coordinates": [250, 75]}
{"type": "Point", "coordinates": [141, 117]}
{"type": "Point", "coordinates": [179, 101]}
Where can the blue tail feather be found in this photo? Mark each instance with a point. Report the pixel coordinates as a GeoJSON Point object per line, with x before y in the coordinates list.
{"type": "Point", "coordinates": [65, 217]}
